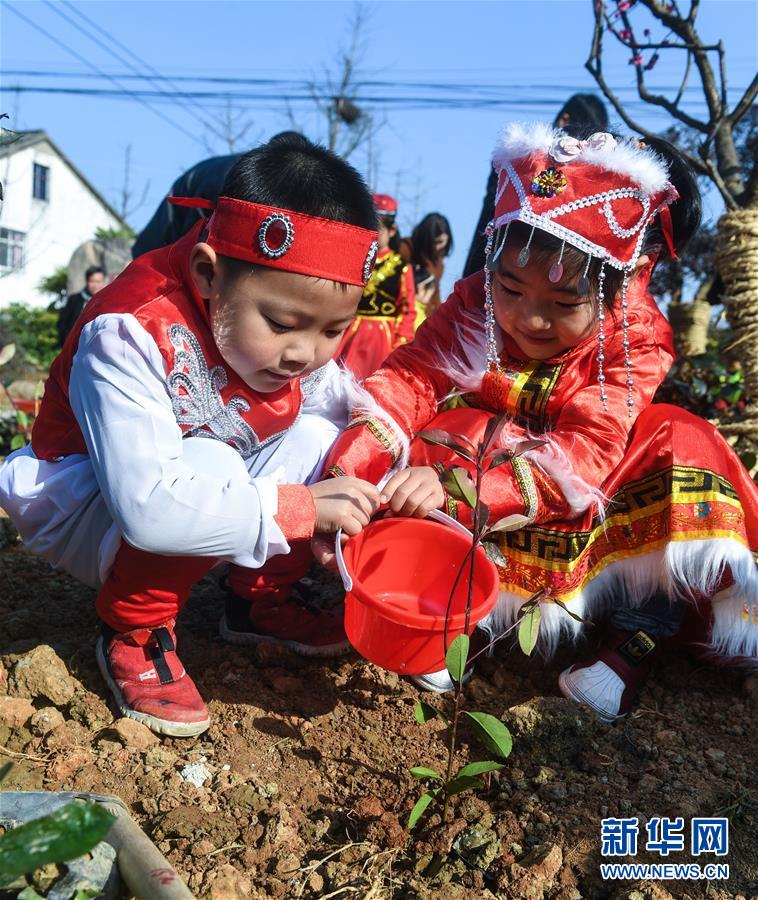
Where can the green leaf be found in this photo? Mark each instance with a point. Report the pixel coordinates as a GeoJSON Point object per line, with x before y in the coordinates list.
{"type": "Point", "coordinates": [7, 353]}
{"type": "Point", "coordinates": [483, 514]}
{"type": "Point", "coordinates": [491, 732]}
{"type": "Point", "coordinates": [499, 458]}
{"type": "Point", "coordinates": [444, 439]}
{"type": "Point", "coordinates": [459, 484]}
{"type": "Point", "coordinates": [508, 523]}
{"type": "Point", "coordinates": [423, 712]}
{"type": "Point", "coordinates": [420, 806]}
{"type": "Point", "coordinates": [494, 553]}
{"type": "Point", "coordinates": [29, 893]}
{"type": "Point", "coordinates": [525, 446]}
{"type": "Point", "coordinates": [65, 834]}
{"type": "Point", "coordinates": [462, 783]}
{"type": "Point", "coordinates": [4, 770]}
{"type": "Point", "coordinates": [568, 612]}
{"type": "Point", "coordinates": [479, 768]}
{"type": "Point", "coordinates": [529, 629]}
{"type": "Point", "coordinates": [423, 772]}
{"type": "Point", "coordinates": [492, 428]}
{"type": "Point", "coordinates": [18, 441]}
{"type": "Point", "coordinates": [22, 419]}
{"type": "Point", "coordinates": [456, 656]}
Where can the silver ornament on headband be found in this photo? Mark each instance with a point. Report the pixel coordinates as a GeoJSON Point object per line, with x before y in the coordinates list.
{"type": "Point", "coordinates": [523, 257]}
{"type": "Point", "coordinates": [583, 285]}
{"type": "Point", "coordinates": [556, 270]}
{"type": "Point", "coordinates": [498, 242]}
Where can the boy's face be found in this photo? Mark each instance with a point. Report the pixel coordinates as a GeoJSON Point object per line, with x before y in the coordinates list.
{"type": "Point", "coordinates": [271, 326]}
{"type": "Point", "coordinates": [543, 318]}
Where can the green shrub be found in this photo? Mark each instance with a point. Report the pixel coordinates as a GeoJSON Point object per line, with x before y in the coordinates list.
{"type": "Point", "coordinates": [33, 330]}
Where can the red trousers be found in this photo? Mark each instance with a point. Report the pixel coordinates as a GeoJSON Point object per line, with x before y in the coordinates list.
{"type": "Point", "coordinates": [144, 589]}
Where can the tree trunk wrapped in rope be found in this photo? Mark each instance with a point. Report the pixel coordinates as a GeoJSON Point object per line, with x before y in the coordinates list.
{"type": "Point", "coordinates": [737, 263]}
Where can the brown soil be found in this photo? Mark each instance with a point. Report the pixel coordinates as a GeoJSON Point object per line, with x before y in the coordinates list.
{"type": "Point", "coordinates": [308, 789]}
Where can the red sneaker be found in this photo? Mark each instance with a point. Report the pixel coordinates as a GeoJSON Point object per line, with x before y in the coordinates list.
{"type": "Point", "coordinates": [611, 681]}
{"type": "Point", "coordinates": [149, 682]}
{"type": "Point", "coordinates": [294, 621]}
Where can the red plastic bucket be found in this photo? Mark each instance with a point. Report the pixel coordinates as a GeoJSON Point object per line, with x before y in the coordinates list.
{"type": "Point", "coordinates": [398, 575]}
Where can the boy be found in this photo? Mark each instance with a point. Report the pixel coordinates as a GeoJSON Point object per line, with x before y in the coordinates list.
{"type": "Point", "coordinates": [189, 408]}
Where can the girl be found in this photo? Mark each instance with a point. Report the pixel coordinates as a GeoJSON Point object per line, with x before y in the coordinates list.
{"type": "Point", "coordinates": [642, 509]}
{"type": "Point", "coordinates": [430, 242]}
{"type": "Point", "coordinates": [189, 408]}
{"type": "Point", "coordinates": [387, 309]}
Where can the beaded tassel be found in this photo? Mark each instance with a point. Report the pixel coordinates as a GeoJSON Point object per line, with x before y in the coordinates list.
{"type": "Point", "coordinates": [627, 358]}
{"type": "Point", "coordinates": [583, 285]}
{"type": "Point", "coordinates": [556, 270]}
{"type": "Point", "coordinates": [523, 257]}
{"type": "Point", "coordinates": [493, 359]}
{"type": "Point", "coordinates": [601, 335]}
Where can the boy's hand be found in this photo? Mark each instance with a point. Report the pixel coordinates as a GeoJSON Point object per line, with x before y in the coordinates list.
{"type": "Point", "coordinates": [414, 492]}
{"type": "Point", "coordinates": [347, 503]}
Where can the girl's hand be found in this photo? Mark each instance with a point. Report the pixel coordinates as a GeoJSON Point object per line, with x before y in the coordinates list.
{"type": "Point", "coordinates": [322, 547]}
{"type": "Point", "coordinates": [414, 492]}
{"type": "Point", "coordinates": [347, 503]}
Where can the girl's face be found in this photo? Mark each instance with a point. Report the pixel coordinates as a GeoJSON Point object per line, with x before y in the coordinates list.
{"type": "Point", "coordinates": [387, 230]}
{"type": "Point", "coordinates": [272, 326]}
{"type": "Point", "coordinates": [544, 319]}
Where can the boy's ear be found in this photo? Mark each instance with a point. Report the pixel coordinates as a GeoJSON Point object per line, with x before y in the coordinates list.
{"type": "Point", "coordinates": [203, 267]}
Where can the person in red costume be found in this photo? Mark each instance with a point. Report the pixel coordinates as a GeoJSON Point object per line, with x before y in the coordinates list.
{"type": "Point", "coordinates": [387, 310]}
{"type": "Point", "coordinates": [625, 506]}
{"type": "Point", "coordinates": [186, 419]}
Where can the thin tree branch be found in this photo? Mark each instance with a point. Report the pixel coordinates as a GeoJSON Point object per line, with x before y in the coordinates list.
{"type": "Point", "coordinates": [685, 78]}
{"type": "Point", "coordinates": [744, 103]}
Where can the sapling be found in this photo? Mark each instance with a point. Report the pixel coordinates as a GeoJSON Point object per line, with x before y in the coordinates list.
{"type": "Point", "coordinates": [483, 458]}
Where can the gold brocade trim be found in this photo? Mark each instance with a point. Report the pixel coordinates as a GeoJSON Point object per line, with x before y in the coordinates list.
{"type": "Point", "coordinates": [522, 393]}
{"type": "Point", "coordinates": [380, 431]}
{"type": "Point", "coordinates": [336, 471]}
{"type": "Point", "coordinates": [525, 482]}
{"type": "Point", "coordinates": [678, 496]}
{"type": "Point", "coordinates": [610, 558]}
{"type": "Point", "coordinates": [452, 506]}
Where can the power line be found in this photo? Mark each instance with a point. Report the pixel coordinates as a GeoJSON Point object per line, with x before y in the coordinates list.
{"type": "Point", "coordinates": [141, 62]}
{"type": "Point", "coordinates": [91, 65]}
{"type": "Point", "coordinates": [265, 99]}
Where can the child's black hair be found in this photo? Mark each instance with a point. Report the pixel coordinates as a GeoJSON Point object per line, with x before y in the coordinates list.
{"type": "Point", "coordinates": [291, 172]}
{"type": "Point", "coordinates": [685, 220]}
{"type": "Point", "coordinates": [425, 234]}
{"type": "Point", "coordinates": [94, 270]}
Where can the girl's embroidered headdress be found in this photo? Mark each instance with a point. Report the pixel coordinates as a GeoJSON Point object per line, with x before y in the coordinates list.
{"type": "Point", "coordinates": [597, 195]}
{"type": "Point", "coordinates": [287, 240]}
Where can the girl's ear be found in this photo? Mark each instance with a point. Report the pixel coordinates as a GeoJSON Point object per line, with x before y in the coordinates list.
{"type": "Point", "coordinates": [203, 268]}
{"type": "Point", "coordinates": [644, 267]}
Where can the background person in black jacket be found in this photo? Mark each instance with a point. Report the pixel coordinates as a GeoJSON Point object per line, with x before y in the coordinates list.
{"type": "Point", "coordinates": [75, 303]}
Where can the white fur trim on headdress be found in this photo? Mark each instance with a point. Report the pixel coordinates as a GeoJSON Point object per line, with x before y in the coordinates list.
{"type": "Point", "coordinates": [643, 166]}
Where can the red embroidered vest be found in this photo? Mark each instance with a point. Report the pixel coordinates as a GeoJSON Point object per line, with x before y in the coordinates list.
{"type": "Point", "coordinates": [205, 394]}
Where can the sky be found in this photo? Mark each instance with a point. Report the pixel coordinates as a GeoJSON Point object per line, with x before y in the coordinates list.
{"type": "Point", "coordinates": [423, 69]}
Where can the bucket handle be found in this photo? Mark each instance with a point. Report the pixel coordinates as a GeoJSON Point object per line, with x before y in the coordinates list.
{"type": "Point", "coordinates": [436, 514]}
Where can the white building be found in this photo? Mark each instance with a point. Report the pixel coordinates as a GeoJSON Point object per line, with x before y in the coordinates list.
{"type": "Point", "coordinates": [49, 209]}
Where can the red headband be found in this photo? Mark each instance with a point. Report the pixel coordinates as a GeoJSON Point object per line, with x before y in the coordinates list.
{"type": "Point", "coordinates": [287, 240]}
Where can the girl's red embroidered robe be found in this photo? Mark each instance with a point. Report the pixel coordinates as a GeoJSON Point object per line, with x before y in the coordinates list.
{"type": "Point", "coordinates": [386, 316]}
{"type": "Point", "coordinates": [611, 508]}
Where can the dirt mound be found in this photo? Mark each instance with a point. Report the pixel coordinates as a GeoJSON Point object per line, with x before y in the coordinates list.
{"type": "Point", "coordinates": [301, 786]}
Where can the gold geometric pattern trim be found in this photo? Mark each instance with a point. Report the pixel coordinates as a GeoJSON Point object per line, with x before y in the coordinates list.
{"type": "Point", "coordinates": [525, 482]}
{"type": "Point", "coordinates": [380, 431]}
